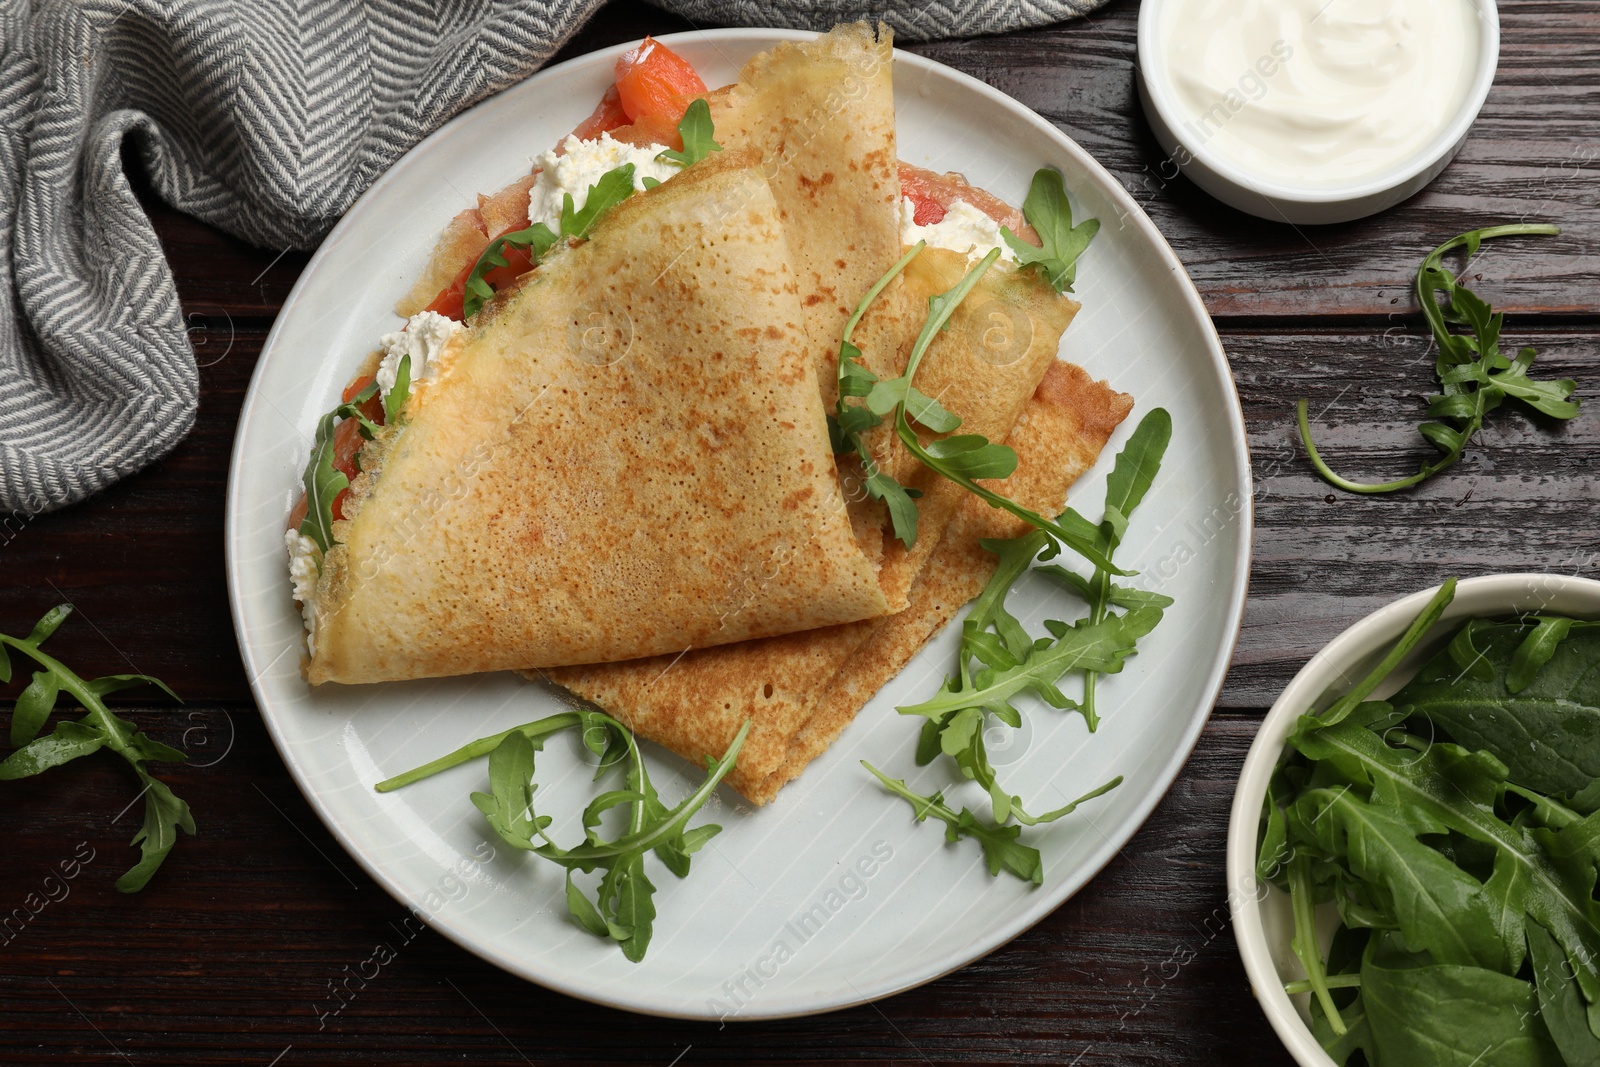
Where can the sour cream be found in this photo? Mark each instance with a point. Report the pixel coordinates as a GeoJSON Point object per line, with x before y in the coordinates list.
{"type": "Point", "coordinates": [1317, 93]}
{"type": "Point", "coordinates": [582, 163]}
{"type": "Point", "coordinates": [303, 569]}
{"type": "Point", "coordinates": [963, 229]}
{"type": "Point", "coordinates": [424, 337]}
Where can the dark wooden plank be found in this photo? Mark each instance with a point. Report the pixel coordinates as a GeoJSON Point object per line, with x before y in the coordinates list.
{"type": "Point", "coordinates": [1526, 497]}
{"type": "Point", "coordinates": [1080, 76]}
{"type": "Point", "coordinates": [228, 955]}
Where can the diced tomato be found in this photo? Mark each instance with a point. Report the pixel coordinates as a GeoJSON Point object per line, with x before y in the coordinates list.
{"type": "Point", "coordinates": [298, 514]}
{"type": "Point", "coordinates": [608, 115]}
{"type": "Point", "coordinates": [347, 441]}
{"type": "Point", "coordinates": [927, 209]}
{"type": "Point", "coordinates": [655, 82]}
{"type": "Point", "coordinates": [932, 193]}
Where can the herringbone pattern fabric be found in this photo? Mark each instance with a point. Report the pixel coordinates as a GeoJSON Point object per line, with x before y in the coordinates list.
{"type": "Point", "coordinates": [266, 118]}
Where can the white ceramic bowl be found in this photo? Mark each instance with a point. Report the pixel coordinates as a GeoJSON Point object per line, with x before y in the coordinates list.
{"type": "Point", "coordinates": [1280, 202]}
{"type": "Point", "coordinates": [1261, 918]}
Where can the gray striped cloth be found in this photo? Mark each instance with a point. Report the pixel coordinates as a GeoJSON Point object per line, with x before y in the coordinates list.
{"type": "Point", "coordinates": [265, 118]}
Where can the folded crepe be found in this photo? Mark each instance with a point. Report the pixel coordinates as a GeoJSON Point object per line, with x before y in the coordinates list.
{"type": "Point", "coordinates": [821, 115]}
{"type": "Point", "coordinates": [801, 690]}
{"type": "Point", "coordinates": [549, 500]}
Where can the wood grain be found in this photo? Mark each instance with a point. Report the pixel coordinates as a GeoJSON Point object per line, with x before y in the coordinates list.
{"type": "Point", "coordinates": [227, 956]}
{"type": "Point", "coordinates": [1525, 498]}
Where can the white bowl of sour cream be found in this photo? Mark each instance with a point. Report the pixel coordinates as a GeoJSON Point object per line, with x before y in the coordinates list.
{"type": "Point", "coordinates": [1314, 111]}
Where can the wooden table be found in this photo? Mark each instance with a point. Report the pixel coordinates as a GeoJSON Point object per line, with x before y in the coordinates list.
{"type": "Point", "coordinates": [229, 956]}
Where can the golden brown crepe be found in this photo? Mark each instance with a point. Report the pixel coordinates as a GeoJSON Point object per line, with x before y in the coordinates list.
{"type": "Point", "coordinates": [984, 366]}
{"type": "Point", "coordinates": [821, 112]}
{"type": "Point", "coordinates": [801, 690]}
{"type": "Point", "coordinates": [625, 455]}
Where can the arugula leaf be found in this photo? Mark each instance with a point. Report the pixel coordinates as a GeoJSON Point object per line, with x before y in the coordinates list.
{"type": "Point", "coordinates": [1439, 906]}
{"type": "Point", "coordinates": [323, 482]}
{"type": "Point", "coordinates": [1048, 212]}
{"type": "Point", "coordinates": [352, 409]}
{"type": "Point", "coordinates": [1443, 1014]}
{"type": "Point", "coordinates": [397, 395]}
{"type": "Point", "coordinates": [694, 129]}
{"type": "Point", "coordinates": [613, 187]}
{"type": "Point", "coordinates": [99, 728]}
{"type": "Point", "coordinates": [1561, 1005]}
{"type": "Point", "coordinates": [623, 908]}
{"type": "Point", "coordinates": [34, 705]}
{"type": "Point", "coordinates": [1537, 649]}
{"type": "Point", "coordinates": [1099, 646]}
{"type": "Point", "coordinates": [536, 239]}
{"type": "Point", "coordinates": [1418, 629]}
{"type": "Point", "coordinates": [1547, 730]}
{"type": "Point", "coordinates": [1001, 849]}
{"type": "Point", "coordinates": [164, 816]}
{"type": "Point", "coordinates": [67, 742]}
{"type": "Point", "coordinates": [1475, 377]}
{"type": "Point", "coordinates": [884, 397]}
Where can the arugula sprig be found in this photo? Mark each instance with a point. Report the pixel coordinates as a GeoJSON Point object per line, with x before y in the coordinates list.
{"type": "Point", "coordinates": [323, 483]}
{"type": "Point", "coordinates": [695, 130]}
{"type": "Point", "coordinates": [623, 908]}
{"type": "Point", "coordinates": [963, 458]}
{"type": "Point", "coordinates": [849, 421]}
{"type": "Point", "coordinates": [1001, 849]}
{"type": "Point", "coordinates": [164, 813]}
{"type": "Point", "coordinates": [1048, 212]}
{"type": "Point", "coordinates": [1474, 376]}
{"type": "Point", "coordinates": [960, 458]}
{"type": "Point", "coordinates": [1126, 485]}
{"type": "Point", "coordinates": [999, 660]}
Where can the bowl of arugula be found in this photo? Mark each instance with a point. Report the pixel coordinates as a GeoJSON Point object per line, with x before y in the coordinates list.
{"type": "Point", "coordinates": [1415, 838]}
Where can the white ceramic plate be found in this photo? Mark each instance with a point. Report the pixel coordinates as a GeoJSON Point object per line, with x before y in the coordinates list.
{"type": "Point", "coordinates": [831, 896]}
